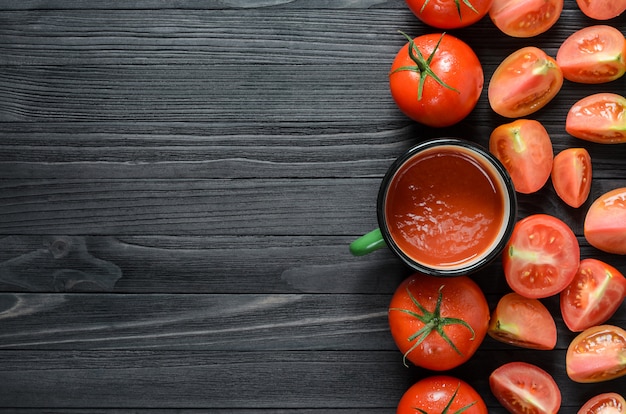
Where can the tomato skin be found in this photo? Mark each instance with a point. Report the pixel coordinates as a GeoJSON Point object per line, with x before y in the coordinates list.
{"type": "Point", "coordinates": [600, 118]}
{"type": "Point", "coordinates": [443, 14]}
{"type": "Point", "coordinates": [607, 403]}
{"type": "Point", "coordinates": [602, 9]}
{"type": "Point", "coordinates": [594, 54]}
{"type": "Point", "coordinates": [523, 322]}
{"type": "Point", "coordinates": [460, 298]}
{"type": "Point", "coordinates": [455, 63]}
{"type": "Point", "coordinates": [541, 257]}
{"type": "Point", "coordinates": [605, 222]}
{"type": "Point", "coordinates": [525, 149]}
{"type": "Point", "coordinates": [597, 354]}
{"type": "Point", "coordinates": [524, 388]}
{"type": "Point", "coordinates": [432, 394]}
{"type": "Point", "coordinates": [524, 82]}
{"type": "Point", "coordinates": [525, 18]}
{"type": "Point", "coordinates": [595, 294]}
{"type": "Point", "coordinates": [571, 176]}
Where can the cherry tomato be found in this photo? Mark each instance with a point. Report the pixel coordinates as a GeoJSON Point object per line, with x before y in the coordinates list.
{"type": "Point", "coordinates": [436, 79]}
{"type": "Point", "coordinates": [441, 394]}
{"type": "Point", "coordinates": [541, 257]}
{"type": "Point", "coordinates": [602, 9]}
{"type": "Point", "coordinates": [438, 324]}
{"type": "Point", "coordinates": [605, 223]}
{"type": "Point", "coordinates": [525, 149]}
{"type": "Point", "coordinates": [607, 403]}
{"type": "Point", "coordinates": [523, 322]}
{"type": "Point", "coordinates": [525, 18]}
{"type": "Point", "coordinates": [449, 14]}
{"type": "Point", "coordinates": [595, 294]}
{"type": "Point", "coordinates": [525, 388]}
{"type": "Point", "coordinates": [524, 82]}
{"type": "Point", "coordinates": [571, 176]}
{"type": "Point", "coordinates": [600, 117]}
{"type": "Point", "coordinates": [597, 354]}
{"type": "Point", "coordinates": [594, 54]}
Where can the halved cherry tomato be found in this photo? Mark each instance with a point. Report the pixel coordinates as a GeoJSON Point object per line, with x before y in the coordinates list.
{"type": "Point", "coordinates": [441, 394]}
{"type": "Point", "coordinates": [541, 257]}
{"type": "Point", "coordinates": [597, 354]}
{"type": "Point", "coordinates": [595, 294]}
{"type": "Point", "coordinates": [594, 54]}
{"type": "Point", "coordinates": [602, 9]}
{"type": "Point", "coordinates": [600, 117]}
{"type": "Point", "coordinates": [523, 322]}
{"type": "Point", "coordinates": [525, 149]}
{"type": "Point", "coordinates": [524, 82]}
{"type": "Point", "coordinates": [524, 388]}
{"type": "Point", "coordinates": [438, 324]}
{"type": "Point", "coordinates": [605, 223]}
{"type": "Point", "coordinates": [571, 176]}
{"type": "Point", "coordinates": [525, 18]}
{"type": "Point", "coordinates": [449, 14]}
{"type": "Point", "coordinates": [607, 403]}
{"type": "Point", "coordinates": [436, 79]}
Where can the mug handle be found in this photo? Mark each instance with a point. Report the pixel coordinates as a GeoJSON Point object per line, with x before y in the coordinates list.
{"type": "Point", "coordinates": [368, 243]}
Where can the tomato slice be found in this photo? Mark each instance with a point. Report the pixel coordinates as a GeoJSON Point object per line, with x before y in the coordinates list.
{"type": "Point", "coordinates": [523, 322]}
{"type": "Point", "coordinates": [600, 117]}
{"type": "Point", "coordinates": [597, 354]}
{"type": "Point", "coordinates": [594, 54]}
{"type": "Point", "coordinates": [595, 294]}
{"type": "Point", "coordinates": [605, 222]}
{"type": "Point", "coordinates": [525, 18]}
{"type": "Point", "coordinates": [524, 82]}
{"type": "Point", "coordinates": [525, 388]}
{"type": "Point", "coordinates": [571, 176]}
{"type": "Point", "coordinates": [541, 257]}
{"type": "Point", "coordinates": [607, 403]}
{"type": "Point", "coordinates": [525, 149]}
{"type": "Point", "coordinates": [602, 9]}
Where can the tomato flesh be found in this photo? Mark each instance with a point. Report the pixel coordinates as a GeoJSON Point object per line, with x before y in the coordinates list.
{"type": "Point", "coordinates": [607, 403]}
{"type": "Point", "coordinates": [597, 354]}
{"type": "Point", "coordinates": [600, 117]}
{"type": "Point", "coordinates": [525, 18]}
{"type": "Point", "coordinates": [450, 14]}
{"type": "Point", "coordinates": [594, 54]}
{"type": "Point", "coordinates": [441, 393]}
{"type": "Point", "coordinates": [525, 388]}
{"type": "Point", "coordinates": [571, 176]}
{"type": "Point", "coordinates": [602, 9]}
{"type": "Point", "coordinates": [605, 222]}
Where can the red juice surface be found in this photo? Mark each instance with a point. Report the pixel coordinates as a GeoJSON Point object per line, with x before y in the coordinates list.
{"type": "Point", "coordinates": [444, 209]}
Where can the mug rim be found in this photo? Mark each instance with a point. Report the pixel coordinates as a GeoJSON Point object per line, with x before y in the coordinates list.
{"type": "Point", "coordinates": [501, 171]}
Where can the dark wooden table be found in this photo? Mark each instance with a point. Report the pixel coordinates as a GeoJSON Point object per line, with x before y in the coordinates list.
{"type": "Point", "coordinates": [180, 181]}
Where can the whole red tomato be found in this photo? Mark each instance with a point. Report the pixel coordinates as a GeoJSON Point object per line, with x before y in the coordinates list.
{"type": "Point", "coordinates": [438, 323]}
{"type": "Point", "coordinates": [436, 79]}
{"type": "Point", "coordinates": [441, 394]}
{"type": "Point", "coordinates": [449, 14]}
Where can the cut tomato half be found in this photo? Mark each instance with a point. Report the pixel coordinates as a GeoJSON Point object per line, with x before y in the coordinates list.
{"type": "Point", "coordinates": [597, 354]}
{"type": "Point", "coordinates": [600, 117]}
{"type": "Point", "coordinates": [571, 176]}
{"type": "Point", "coordinates": [605, 222]}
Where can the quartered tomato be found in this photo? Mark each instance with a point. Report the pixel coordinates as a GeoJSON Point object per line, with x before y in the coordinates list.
{"type": "Point", "coordinates": [602, 9]}
{"type": "Point", "coordinates": [524, 388]}
{"type": "Point", "coordinates": [525, 18]}
{"type": "Point", "coordinates": [449, 14]}
{"type": "Point", "coordinates": [595, 294]}
{"type": "Point", "coordinates": [524, 82]}
{"type": "Point", "coordinates": [600, 117]}
{"type": "Point", "coordinates": [441, 394]}
{"type": "Point", "coordinates": [597, 354]}
{"type": "Point", "coordinates": [436, 79]}
{"type": "Point", "coordinates": [523, 322]}
{"type": "Point", "coordinates": [438, 324]}
{"type": "Point", "coordinates": [607, 403]}
{"type": "Point", "coordinates": [541, 257]}
{"type": "Point", "coordinates": [571, 176]}
{"type": "Point", "coordinates": [605, 223]}
{"type": "Point", "coordinates": [594, 54]}
{"type": "Point", "coordinates": [525, 149]}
